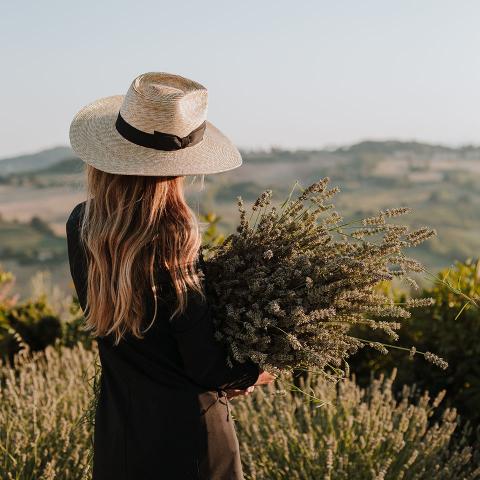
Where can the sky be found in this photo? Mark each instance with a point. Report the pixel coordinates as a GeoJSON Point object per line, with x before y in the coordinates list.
{"type": "Point", "coordinates": [287, 74]}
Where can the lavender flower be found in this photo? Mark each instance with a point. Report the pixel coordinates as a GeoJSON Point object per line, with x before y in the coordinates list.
{"type": "Point", "coordinates": [290, 284]}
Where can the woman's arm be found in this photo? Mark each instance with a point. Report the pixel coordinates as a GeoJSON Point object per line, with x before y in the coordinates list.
{"type": "Point", "coordinates": [205, 359]}
{"type": "Point", "coordinates": [76, 255]}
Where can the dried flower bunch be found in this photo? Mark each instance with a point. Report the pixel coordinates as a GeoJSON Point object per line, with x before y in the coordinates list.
{"type": "Point", "coordinates": [290, 284]}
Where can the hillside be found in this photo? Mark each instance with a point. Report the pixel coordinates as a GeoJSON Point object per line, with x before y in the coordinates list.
{"type": "Point", "coordinates": [441, 184]}
{"type": "Point", "coordinates": [34, 161]}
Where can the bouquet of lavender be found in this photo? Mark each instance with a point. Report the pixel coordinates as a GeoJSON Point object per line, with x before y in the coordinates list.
{"type": "Point", "coordinates": [290, 284]}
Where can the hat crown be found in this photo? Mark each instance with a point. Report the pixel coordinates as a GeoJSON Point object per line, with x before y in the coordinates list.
{"type": "Point", "coordinates": [164, 102]}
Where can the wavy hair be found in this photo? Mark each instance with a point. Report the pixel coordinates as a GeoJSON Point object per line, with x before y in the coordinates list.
{"type": "Point", "coordinates": [133, 224]}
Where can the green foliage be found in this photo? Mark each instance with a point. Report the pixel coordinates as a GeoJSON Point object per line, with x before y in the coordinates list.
{"type": "Point", "coordinates": [211, 235]}
{"type": "Point", "coordinates": [32, 322]}
{"type": "Point", "coordinates": [452, 328]}
{"type": "Point", "coordinates": [73, 330]}
{"type": "Point", "coordinates": [41, 226]}
{"type": "Point", "coordinates": [31, 242]}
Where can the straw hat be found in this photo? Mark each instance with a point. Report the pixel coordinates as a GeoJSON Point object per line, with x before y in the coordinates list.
{"type": "Point", "coordinates": [158, 128]}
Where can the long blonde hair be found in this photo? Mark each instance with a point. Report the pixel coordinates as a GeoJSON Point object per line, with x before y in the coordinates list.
{"type": "Point", "coordinates": [131, 225]}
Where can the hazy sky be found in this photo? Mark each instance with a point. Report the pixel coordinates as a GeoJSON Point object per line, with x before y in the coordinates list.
{"type": "Point", "coordinates": [283, 73]}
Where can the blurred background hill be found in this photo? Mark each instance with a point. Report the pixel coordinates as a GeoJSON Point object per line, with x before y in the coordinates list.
{"type": "Point", "coordinates": [441, 184]}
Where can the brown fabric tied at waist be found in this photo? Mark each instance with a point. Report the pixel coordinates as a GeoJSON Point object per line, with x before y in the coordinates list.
{"type": "Point", "coordinates": [221, 397]}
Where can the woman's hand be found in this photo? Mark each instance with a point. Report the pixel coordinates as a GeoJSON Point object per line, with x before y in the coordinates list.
{"type": "Point", "coordinates": [235, 393]}
{"type": "Point", "coordinates": [264, 378]}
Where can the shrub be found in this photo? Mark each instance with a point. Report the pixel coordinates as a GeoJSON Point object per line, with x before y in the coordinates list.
{"type": "Point", "coordinates": [73, 330]}
{"type": "Point", "coordinates": [32, 321]}
{"type": "Point", "coordinates": [364, 434]}
{"type": "Point", "coordinates": [451, 327]}
{"type": "Point", "coordinates": [359, 434]}
{"type": "Point", "coordinates": [42, 400]}
{"type": "Point", "coordinates": [35, 323]}
{"type": "Point", "coordinates": [41, 226]}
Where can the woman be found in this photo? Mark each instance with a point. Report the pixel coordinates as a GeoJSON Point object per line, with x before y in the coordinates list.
{"type": "Point", "coordinates": [133, 247]}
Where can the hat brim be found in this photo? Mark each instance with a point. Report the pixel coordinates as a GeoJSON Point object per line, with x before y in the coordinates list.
{"type": "Point", "coordinates": [95, 140]}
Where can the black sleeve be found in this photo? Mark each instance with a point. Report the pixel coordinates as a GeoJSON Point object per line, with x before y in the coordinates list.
{"type": "Point", "coordinates": [76, 256]}
{"type": "Point", "coordinates": [205, 358]}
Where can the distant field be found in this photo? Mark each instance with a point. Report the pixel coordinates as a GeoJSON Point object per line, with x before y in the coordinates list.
{"type": "Point", "coordinates": [441, 185]}
{"type": "Point", "coordinates": [51, 204]}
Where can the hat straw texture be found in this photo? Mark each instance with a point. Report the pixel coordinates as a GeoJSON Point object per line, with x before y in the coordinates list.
{"type": "Point", "coordinates": [155, 102]}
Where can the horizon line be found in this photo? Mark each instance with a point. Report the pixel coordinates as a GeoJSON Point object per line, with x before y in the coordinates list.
{"type": "Point", "coordinates": [327, 147]}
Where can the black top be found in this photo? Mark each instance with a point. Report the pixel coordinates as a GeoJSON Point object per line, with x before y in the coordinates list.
{"type": "Point", "coordinates": [161, 413]}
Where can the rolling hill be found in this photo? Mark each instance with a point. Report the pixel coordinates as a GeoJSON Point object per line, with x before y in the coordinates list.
{"type": "Point", "coordinates": [441, 184]}
{"type": "Point", "coordinates": [34, 161]}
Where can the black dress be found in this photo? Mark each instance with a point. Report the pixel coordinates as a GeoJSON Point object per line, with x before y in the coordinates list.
{"type": "Point", "coordinates": [162, 413]}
